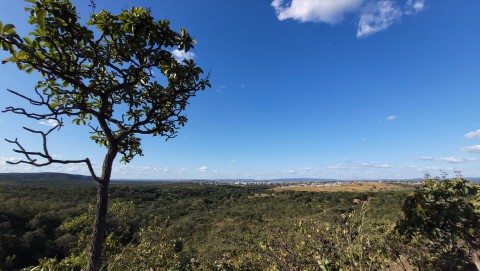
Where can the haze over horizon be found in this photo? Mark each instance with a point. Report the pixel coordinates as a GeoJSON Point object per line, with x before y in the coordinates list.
{"type": "Point", "coordinates": [358, 89]}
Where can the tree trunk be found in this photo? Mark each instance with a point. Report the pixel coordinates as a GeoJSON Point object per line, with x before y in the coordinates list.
{"type": "Point", "coordinates": [475, 259]}
{"type": "Point", "coordinates": [99, 228]}
{"type": "Point", "coordinates": [100, 222]}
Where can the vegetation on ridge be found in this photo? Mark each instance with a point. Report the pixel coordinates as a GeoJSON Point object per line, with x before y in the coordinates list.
{"type": "Point", "coordinates": [195, 226]}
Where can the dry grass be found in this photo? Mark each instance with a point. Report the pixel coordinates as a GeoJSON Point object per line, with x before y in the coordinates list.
{"type": "Point", "coordinates": [348, 187]}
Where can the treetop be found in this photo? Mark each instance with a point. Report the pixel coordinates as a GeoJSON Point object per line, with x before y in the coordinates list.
{"type": "Point", "coordinates": [119, 78]}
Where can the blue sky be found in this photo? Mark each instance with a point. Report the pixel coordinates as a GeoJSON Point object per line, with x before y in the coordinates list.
{"type": "Point", "coordinates": [357, 89]}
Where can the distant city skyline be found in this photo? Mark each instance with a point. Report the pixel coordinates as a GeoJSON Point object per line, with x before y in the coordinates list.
{"type": "Point", "coordinates": [358, 89]}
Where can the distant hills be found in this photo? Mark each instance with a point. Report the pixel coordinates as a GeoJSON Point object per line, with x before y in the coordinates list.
{"type": "Point", "coordinates": [43, 176]}
{"type": "Point", "coordinates": [53, 176]}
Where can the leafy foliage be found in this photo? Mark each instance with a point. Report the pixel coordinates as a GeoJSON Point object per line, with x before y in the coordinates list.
{"type": "Point", "coordinates": [221, 226]}
{"type": "Point", "coordinates": [153, 250]}
{"type": "Point", "coordinates": [110, 75]}
{"type": "Point", "coordinates": [351, 243]}
{"type": "Point", "coordinates": [119, 78]}
{"type": "Point", "coordinates": [442, 224]}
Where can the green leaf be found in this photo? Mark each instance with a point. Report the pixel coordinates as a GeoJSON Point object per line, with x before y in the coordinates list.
{"type": "Point", "coordinates": [41, 20]}
{"type": "Point", "coordinates": [40, 55]}
{"type": "Point", "coordinates": [9, 28]}
{"type": "Point", "coordinates": [29, 70]}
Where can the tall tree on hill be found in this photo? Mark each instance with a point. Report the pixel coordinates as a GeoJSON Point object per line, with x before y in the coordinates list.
{"type": "Point", "coordinates": [106, 79]}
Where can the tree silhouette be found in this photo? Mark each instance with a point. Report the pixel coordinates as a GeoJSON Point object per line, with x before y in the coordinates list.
{"type": "Point", "coordinates": [121, 80]}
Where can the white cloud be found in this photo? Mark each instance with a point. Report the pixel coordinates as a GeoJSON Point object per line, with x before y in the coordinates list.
{"type": "Point", "coordinates": [202, 169]}
{"type": "Point", "coordinates": [473, 134]}
{"type": "Point", "coordinates": [378, 16]}
{"type": "Point", "coordinates": [181, 55]}
{"type": "Point", "coordinates": [410, 167]}
{"type": "Point", "coordinates": [26, 168]}
{"type": "Point", "coordinates": [425, 158]}
{"type": "Point", "coordinates": [456, 160]}
{"type": "Point", "coordinates": [416, 6]}
{"type": "Point", "coordinates": [337, 166]}
{"type": "Point", "coordinates": [325, 11]}
{"type": "Point", "coordinates": [474, 148]}
{"type": "Point", "coordinates": [374, 15]}
{"type": "Point", "coordinates": [391, 117]}
{"type": "Point", "coordinates": [371, 165]}
{"type": "Point", "coordinates": [4, 160]}
{"type": "Point", "coordinates": [359, 165]}
{"type": "Point", "coordinates": [49, 122]}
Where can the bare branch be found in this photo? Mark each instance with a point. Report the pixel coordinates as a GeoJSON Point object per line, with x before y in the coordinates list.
{"type": "Point", "coordinates": [30, 100]}
{"type": "Point", "coordinates": [30, 160]}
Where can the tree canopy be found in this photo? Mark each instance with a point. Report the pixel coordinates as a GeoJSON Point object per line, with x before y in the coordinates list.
{"type": "Point", "coordinates": [116, 74]}
{"type": "Point", "coordinates": [109, 78]}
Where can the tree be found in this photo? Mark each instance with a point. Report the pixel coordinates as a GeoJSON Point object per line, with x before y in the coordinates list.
{"type": "Point", "coordinates": [442, 224]}
{"type": "Point", "coordinates": [107, 79]}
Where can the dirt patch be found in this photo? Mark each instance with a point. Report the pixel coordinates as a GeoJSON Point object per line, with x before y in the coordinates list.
{"type": "Point", "coordinates": [261, 195]}
{"type": "Point", "coordinates": [348, 187]}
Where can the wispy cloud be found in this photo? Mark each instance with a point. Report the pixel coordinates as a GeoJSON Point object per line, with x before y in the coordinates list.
{"type": "Point", "coordinates": [425, 158]}
{"type": "Point", "coordinates": [391, 117]}
{"type": "Point", "coordinates": [457, 160]}
{"type": "Point", "coordinates": [378, 16]}
{"type": "Point", "coordinates": [371, 165]}
{"type": "Point", "coordinates": [415, 5]}
{"type": "Point", "coordinates": [303, 172]}
{"type": "Point", "coordinates": [359, 165]}
{"type": "Point", "coordinates": [474, 148]}
{"type": "Point", "coordinates": [49, 122]}
{"type": "Point", "coordinates": [26, 168]}
{"type": "Point", "coordinates": [181, 55]}
{"type": "Point", "coordinates": [472, 134]}
{"type": "Point", "coordinates": [202, 169]}
{"type": "Point", "coordinates": [448, 159]}
{"type": "Point", "coordinates": [337, 166]}
{"type": "Point", "coordinates": [373, 15]}
{"type": "Point", "coordinates": [4, 160]}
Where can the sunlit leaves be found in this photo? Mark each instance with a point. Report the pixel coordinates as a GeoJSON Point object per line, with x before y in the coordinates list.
{"type": "Point", "coordinates": [8, 29]}
{"type": "Point", "coordinates": [109, 81]}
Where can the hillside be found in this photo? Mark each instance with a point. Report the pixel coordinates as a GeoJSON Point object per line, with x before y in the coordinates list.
{"type": "Point", "coordinates": [43, 176]}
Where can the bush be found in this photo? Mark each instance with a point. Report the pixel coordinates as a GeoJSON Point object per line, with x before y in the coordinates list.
{"type": "Point", "coordinates": [441, 225]}
{"type": "Point", "coordinates": [351, 243]}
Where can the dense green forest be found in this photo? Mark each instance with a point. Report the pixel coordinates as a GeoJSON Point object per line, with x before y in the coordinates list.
{"type": "Point", "coordinates": [201, 226]}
